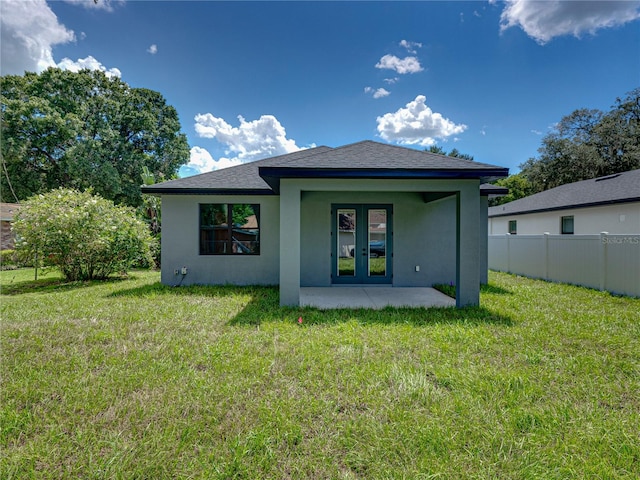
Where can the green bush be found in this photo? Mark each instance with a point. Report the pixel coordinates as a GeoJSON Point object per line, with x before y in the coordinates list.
{"type": "Point", "coordinates": [83, 235]}
{"type": "Point", "coordinates": [8, 259]}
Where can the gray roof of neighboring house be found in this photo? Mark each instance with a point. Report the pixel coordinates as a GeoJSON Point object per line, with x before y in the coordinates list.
{"type": "Point", "coordinates": [8, 211]}
{"type": "Point", "coordinates": [365, 159]}
{"type": "Point", "coordinates": [618, 188]}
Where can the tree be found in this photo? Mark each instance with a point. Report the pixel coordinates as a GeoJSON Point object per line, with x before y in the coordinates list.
{"type": "Point", "coordinates": [588, 144]}
{"type": "Point", "coordinates": [84, 236]}
{"type": "Point", "coordinates": [617, 135]}
{"type": "Point", "coordinates": [453, 153]}
{"type": "Point", "coordinates": [518, 185]}
{"type": "Point", "coordinates": [86, 130]}
{"type": "Point", "coordinates": [150, 211]}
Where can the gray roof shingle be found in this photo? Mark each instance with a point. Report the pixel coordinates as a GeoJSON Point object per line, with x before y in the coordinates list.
{"type": "Point", "coordinates": [367, 155]}
{"type": "Point", "coordinates": [239, 179]}
{"type": "Point", "coordinates": [619, 188]}
{"type": "Point", "coordinates": [357, 160]}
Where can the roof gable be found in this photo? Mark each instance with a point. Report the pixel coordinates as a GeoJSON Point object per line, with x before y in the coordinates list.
{"type": "Point", "coordinates": [369, 155]}
{"type": "Point", "coordinates": [619, 188]}
{"type": "Point", "coordinates": [366, 159]}
{"type": "Point", "coordinates": [242, 178]}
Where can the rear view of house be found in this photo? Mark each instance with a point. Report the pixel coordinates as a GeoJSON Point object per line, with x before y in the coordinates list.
{"type": "Point", "coordinates": [361, 214]}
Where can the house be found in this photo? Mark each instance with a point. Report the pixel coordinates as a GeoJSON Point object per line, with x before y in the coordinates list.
{"type": "Point", "coordinates": [361, 214]}
{"type": "Point", "coordinates": [605, 204]}
{"type": "Point", "coordinates": [7, 212]}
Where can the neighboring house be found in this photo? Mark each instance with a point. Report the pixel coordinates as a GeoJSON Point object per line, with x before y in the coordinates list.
{"type": "Point", "coordinates": [7, 212]}
{"type": "Point", "coordinates": [606, 204]}
{"type": "Point", "coordinates": [412, 218]}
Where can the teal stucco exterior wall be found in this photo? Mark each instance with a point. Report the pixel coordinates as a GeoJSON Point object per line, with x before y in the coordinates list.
{"type": "Point", "coordinates": [445, 238]}
{"type": "Point", "coordinates": [180, 244]}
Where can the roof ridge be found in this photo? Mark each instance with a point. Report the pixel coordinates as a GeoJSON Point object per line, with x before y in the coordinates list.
{"type": "Point", "coordinates": [312, 151]}
{"type": "Point", "coordinates": [422, 151]}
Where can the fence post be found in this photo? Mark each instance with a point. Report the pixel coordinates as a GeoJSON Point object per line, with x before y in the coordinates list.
{"type": "Point", "coordinates": [603, 260]}
{"type": "Point", "coordinates": [508, 253]}
{"type": "Point", "coordinates": [546, 255]}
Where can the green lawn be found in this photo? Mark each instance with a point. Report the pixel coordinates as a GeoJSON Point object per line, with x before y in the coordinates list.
{"type": "Point", "coordinates": [131, 379]}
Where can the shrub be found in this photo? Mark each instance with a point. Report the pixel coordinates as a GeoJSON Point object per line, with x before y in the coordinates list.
{"type": "Point", "coordinates": [8, 259]}
{"type": "Point", "coordinates": [85, 236]}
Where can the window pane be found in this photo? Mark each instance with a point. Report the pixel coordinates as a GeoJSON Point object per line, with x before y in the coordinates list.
{"type": "Point", "coordinates": [346, 242]}
{"type": "Point", "coordinates": [377, 235]}
{"type": "Point", "coordinates": [246, 229]}
{"type": "Point", "coordinates": [213, 214]}
{"type": "Point", "coordinates": [229, 229]}
{"type": "Point", "coordinates": [567, 225]}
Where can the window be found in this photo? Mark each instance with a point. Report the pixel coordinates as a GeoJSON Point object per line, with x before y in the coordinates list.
{"type": "Point", "coordinates": [566, 225]}
{"type": "Point", "coordinates": [229, 229]}
{"type": "Point", "coordinates": [513, 227]}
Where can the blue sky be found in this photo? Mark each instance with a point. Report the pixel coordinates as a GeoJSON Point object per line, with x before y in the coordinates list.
{"type": "Point", "coordinates": [255, 79]}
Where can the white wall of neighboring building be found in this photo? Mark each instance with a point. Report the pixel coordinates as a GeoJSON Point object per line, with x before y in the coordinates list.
{"type": "Point", "coordinates": [620, 218]}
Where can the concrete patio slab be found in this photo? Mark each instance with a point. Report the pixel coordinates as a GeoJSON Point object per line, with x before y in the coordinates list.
{"type": "Point", "coordinates": [373, 297]}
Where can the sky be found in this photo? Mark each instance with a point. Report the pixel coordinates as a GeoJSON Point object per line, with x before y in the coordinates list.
{"type": "Point", "coordinates": [251, 80]}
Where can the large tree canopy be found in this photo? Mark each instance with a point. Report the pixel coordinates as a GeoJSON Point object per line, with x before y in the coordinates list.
{"type": "Point", "coordinates": [81, 130]}
{"type": "Point", "coordinates": [588, 144]}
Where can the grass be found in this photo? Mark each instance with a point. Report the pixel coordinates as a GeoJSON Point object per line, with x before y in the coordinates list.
{"type": "Point", "coordinates": [446, 288]}
{"type": "Point", "coordinates": [376, 266]}
{"type": "Point", "coordinates": [130, 379]}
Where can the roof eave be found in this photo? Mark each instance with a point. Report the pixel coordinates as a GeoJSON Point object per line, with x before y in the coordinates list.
{"type": "Point", "coordinates": [207, 191]}
{"type": "Point", "coordinates": [272, 175]}
{"type": "Point", "coordinates": [565, 207]}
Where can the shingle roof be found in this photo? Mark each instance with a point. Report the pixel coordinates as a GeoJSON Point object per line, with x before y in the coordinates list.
{"type": "Point", "coordinates": [368, 155]}
{"type": "Point", "coordinates": [239, 179]}
{"type": "Point", "coordinates": [365, 159]}
{"type": "Point", "coordinates": [8, 210]}
{"type": "Point", "coordinates": [619, 188]}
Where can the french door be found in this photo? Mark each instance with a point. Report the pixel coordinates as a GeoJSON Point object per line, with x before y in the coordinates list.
{"type": "Point", "coordinates": [362, 246]}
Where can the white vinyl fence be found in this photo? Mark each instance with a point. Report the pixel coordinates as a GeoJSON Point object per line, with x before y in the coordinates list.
{"type": "Point", "coordinates": [606, 262]}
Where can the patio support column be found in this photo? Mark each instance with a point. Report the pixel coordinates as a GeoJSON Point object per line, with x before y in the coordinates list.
{"type": "Point", "coordinates": [289, 243]}
{"type": "Point", "coordinates": [484, 239]}
{"type": "Point", "coordinates": [467, 252]}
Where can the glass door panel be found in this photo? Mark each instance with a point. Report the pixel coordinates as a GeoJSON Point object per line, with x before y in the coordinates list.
{"type": "Point", "coordinates": [346, 227]}
{"type": "Point", "coordinates": [377, 241]}
{"type": "Point", "coordinates": [361, 250]}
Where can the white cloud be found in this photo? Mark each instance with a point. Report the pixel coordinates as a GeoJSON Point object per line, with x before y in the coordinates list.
{"type": "Point", "coordinates": [87, 63]}
{"type": "Point", "coordinates": [543, 21]}
{"type": "Point", "coordinates": [400, 65]}
{"type": "Point", "coordinates": [201, 161]}
{"type": "Point", "coordinates": [391, 81]}
{"type": "Point", "coordinates": [253, 140]}
{"type": "Point", "coordinates": [29, 29]}
{"type": "Point", "coordinates": [107, 5]}
{"type": "Point", "coordinates": [379, 93]}
{"type": "Point", "coordinates": [410, 46]}
{"type": "Point", "coordinates": [416, 124]}
{"type": "Point", "coordinates": [153, 49]}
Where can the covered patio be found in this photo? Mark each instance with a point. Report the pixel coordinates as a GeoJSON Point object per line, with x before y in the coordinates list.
{"type": "Point", "coordinates": [373, 297]}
